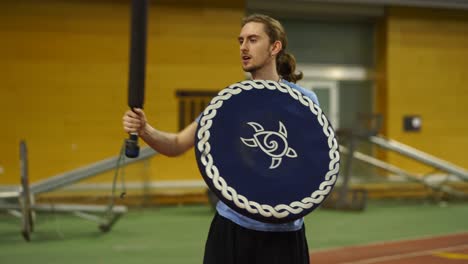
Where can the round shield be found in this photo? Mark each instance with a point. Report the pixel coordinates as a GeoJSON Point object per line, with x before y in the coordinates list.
{"type": "Point", "coordinates": [267, 151]}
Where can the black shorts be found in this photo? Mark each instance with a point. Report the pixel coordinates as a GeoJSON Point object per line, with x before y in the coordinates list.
{"type": "Point", "coordinates": [229, 243]}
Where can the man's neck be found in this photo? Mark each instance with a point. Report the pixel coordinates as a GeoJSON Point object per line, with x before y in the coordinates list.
{"type": "Point", "coordinates": [269, 77]}
{"type": "Point", "coordinates": [266, 73]}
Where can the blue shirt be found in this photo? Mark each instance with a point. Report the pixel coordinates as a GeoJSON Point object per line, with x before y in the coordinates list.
{"type": "Point", "coordinates": [250, 223]}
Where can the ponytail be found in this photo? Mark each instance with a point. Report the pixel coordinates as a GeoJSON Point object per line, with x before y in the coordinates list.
{"type": "Point", "coordinates": [286, 67]}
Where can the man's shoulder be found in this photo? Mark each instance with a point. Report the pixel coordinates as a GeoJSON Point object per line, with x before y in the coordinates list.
{"type": "Point", "coordinates": [303, 90]}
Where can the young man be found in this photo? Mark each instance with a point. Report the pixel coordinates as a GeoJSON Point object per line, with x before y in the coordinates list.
{"type": "Point", "coordinates": [234, 238]}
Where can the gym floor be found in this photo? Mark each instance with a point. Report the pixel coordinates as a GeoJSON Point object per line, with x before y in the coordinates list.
{"type": "Point", "coordinates": [173, 235]}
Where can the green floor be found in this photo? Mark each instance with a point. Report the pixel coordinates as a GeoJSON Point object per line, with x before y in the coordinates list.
{"type": "Point", "coordinates": [177, 234]}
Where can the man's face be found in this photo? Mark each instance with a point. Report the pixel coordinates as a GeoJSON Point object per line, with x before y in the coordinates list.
{"type": "Point", "coordinates": [255, 48]}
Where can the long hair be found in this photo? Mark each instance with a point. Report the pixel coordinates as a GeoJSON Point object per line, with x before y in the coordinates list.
{"type": "Point", "coordinates": [285, 61]}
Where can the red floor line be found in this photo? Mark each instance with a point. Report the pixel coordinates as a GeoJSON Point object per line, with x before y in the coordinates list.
{"type": "Point", "coordinates": [378, 243]}
{"type": "Point", "coordinates": [407, 255]}
{"type": "Point", "coordinates": [372, 253]}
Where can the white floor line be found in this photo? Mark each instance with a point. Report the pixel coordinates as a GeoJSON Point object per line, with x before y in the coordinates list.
{"type": "Point", "coordinates": [386, 242]}
{"type": "Point", "coordinates": [406, 255]}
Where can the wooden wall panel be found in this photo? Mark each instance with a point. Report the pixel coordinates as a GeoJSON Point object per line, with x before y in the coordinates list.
{"type": "Point", "coordinates": [64, 72]}
{"type": "Point", "coordinates": [427, 75]}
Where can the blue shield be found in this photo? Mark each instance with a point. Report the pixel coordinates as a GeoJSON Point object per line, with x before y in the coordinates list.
{"type": "Point", "coordinates": [267, 151]}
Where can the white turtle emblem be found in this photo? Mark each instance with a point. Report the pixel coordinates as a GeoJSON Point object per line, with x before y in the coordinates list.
{"type": "Point", "coordinates": [271, 142]}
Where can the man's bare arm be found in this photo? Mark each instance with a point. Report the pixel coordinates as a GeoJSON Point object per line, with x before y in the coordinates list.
{"type": "Point", "coordinates": [170, 144]}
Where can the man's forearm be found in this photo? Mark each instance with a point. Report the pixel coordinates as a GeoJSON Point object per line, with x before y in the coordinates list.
{"type": "Point", "coordinates": [163, 142]}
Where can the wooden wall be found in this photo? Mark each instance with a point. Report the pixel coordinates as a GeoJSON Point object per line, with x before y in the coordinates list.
{"type": "Point", "coordinates": [64, 72]}
{"type": "Point", "coordinates": [427, 75]}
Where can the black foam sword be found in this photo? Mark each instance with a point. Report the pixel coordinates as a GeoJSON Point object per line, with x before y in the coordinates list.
{"type": "Point", "coordinates": [136, 81]}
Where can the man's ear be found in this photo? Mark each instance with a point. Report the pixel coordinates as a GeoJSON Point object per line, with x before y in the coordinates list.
{"type": "Point", "coordinates": [276, 47]}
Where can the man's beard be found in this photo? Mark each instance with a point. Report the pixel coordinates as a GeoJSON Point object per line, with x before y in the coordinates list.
{"type": "Point", "coordinates": [253, 68]}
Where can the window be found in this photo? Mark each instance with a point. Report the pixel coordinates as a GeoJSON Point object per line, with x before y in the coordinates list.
{"type": "Point", "coordinates": [191, 104]}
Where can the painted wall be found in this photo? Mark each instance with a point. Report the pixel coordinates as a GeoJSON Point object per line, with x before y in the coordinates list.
{"type": "Point", "coordinates": [64, 72]}
{"type": "Point", "coordinates": [427, 75]}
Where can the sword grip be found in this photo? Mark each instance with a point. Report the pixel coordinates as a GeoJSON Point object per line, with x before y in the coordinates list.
{"type": "Point", "coordinates": [132, 150]}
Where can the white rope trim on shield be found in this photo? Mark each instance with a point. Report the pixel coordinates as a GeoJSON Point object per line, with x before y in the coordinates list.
{"type": "Point", "coordinates": [280, 210]}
